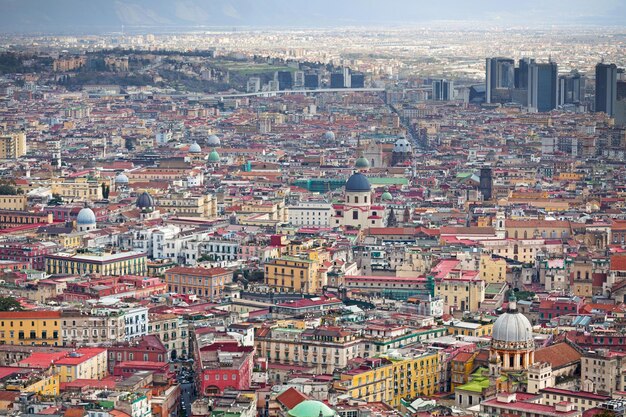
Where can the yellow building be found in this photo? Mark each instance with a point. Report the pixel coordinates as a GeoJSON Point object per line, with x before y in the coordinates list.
{"type": "Point", "coordinates": [12, 145]}
{"type": "Point", "coordinates": [41, 384]}
{"type": "Point", "coordinates": [460, 293]}
{"type": "Point", "coordinates": [465, 328]}
{"type": "Point", "coordinates": [390, 379]}
{"type": "Point", "coordinates": [568, 176]}
{"type": "Point", "coordinates": [522, 249]}
{"type": "Point", "coordinates": [492, 270]}
{"type": "Point", "coordinates": [84, 363]}
{"type": "Point", "coordinates": [30, 328]}
{"type": "Point", "coordinates": [414, 375]}
{"type": "Point", "coordinates": [13, 202]}
{"type": "Point", "coordinates": [529, 229]}
{"type": "Point", "coordinates": [372, 382]}
{"type": "Point", "coordinates": [71, 240]}
{"type": "Point", "coordinates": [270, 210]}
{"type": "Point", "coordinates": [121, 263]}
{"type": "Point", "coordinates": [461, 367]}
{"type": "Point", "coordinates": [45, 383]}
{"type": "Point", "coordinates": [79, 189]}
{"type": "Point", "coordinates": [188, 205]}
{"type": "Point", "coordinates": [293, 274]}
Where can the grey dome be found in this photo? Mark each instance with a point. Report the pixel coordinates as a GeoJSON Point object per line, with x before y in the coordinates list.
{"type": "Point", "coordinates": [402, 146]}
{"type": "Point", "coordinates": [329, 135]}
{"type": "Point", "coordinates": [195, 148]}
{"type": "Point", "coordinates": [358, 183]}
{"type": "Point", "coordinates": [512, 330]}
{"type": "Point", "coordinates": [213, 140]}
{"type": "Point", "coordinates": [86, 217]}
{"type": "Point", "coordinates": [121, 178]}
{"type": "Point", "coordinates": [145, 202]}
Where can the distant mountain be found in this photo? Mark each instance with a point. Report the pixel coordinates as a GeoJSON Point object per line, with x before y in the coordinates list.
{"type": "Point", "coordinates": [95, 16]}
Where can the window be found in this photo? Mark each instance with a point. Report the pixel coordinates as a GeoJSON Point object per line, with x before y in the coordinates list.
{"type": "Point", "coordinates": [355, 215]}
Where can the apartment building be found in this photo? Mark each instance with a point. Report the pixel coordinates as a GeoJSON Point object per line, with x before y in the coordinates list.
{"type": "Point", "coordinates": [325, 348]}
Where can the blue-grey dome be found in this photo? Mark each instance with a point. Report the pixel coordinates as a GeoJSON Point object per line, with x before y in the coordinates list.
{"type": "Point", "coordinates": [213, 140]}
{"type": "Point", "coordinates": [145, 202]}
{"type": "Point", "coordinates": [358, 183]}
{"type": "Point", "coordinates": [195, 148]}
{"type": "Point", "coordinates": [86, 217]}
{"type": "Point", "coordinates": [121, 178]}
{"type": "Point", "coordinates": [329, 135]}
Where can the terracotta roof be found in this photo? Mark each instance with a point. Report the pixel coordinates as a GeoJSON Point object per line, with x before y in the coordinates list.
{"type": "Point", "coordinates": [291, 397]}
{"type": "Point", "coordinates": [29, 315]}
{"type": "Point", "coordinates": [618, 263]}
{"type": "Point", "coordinates": [197, 271]}
{"type": "Point", "coordinates": [559, 355]}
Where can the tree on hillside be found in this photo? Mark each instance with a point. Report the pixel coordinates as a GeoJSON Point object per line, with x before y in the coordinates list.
{"type": "Point", "coordinates": [9, 304]}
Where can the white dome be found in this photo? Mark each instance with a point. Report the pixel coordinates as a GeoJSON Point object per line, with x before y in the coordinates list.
{"type": "Point", "coordinates": [195, 148]}
{"type": "Point", "coordinates": [121, 178]}
{"type": "Point", "coordinates": [512, 331]}
{"type": "Point", "coordinates": [402, 146]}
{"type": "Point", "coordinates": [213, 140]}
{"type": "Point", "coordinates": [86, 217]}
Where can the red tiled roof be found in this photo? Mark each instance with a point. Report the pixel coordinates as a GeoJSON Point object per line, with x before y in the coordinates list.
{"type": "Point", "coordinates": [618, 263]}
{"type": "Point", "coordinates": [30, 315]}
{"type": "Point", "coordinates": [291, 397]}
{"type": "Point", "coordinates": [559, 355]}
{"type": "Point", "coordinates": [197, 271]}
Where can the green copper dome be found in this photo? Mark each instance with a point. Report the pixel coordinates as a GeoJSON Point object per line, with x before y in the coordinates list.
{"type": "Point", "coordinates": [311, 408]}
{"type": "Point", "coordinates": [386, 196]}
{"type": "Point", "coordinates": [362, 163]}
{"type": "Point", "coordinates": [214, 157]}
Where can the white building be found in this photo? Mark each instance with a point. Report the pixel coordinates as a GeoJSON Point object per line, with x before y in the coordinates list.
{"type": "Point", "coordinates": [310, 214]}
{"type": "Point", "coordinates": [136, 321]}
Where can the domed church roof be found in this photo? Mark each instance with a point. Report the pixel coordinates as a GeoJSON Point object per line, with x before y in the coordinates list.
{"type": "Point", "coordinates": [311, 408]}
{"type": "Point", "coordinates": [402, 146]}
{"type": "Point", "coordinates": [512, 330]}
{"type": "Point", "coordinates": [213, 140]}
{"type": "Point", "coordinates": [195, 148]}
{"type": "Point", "coordinates": [121, 178]}
{"type": "Point", "coordinates": [86, 216]}
{"type": "Point", "coordinates": [145, 202]}
{"type": "Point", "coordinates": [358, 183]}
{"type": "Point", "coordinates": [214, 156]}
{"type": "Point", "coordinates": [362, 163]}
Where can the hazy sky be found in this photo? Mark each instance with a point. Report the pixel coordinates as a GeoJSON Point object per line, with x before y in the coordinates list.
{"type": "Point", "coordinates": [83, 16]}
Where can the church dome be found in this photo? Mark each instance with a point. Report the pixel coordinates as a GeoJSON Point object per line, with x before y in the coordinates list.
{"type": "Point", "coordinates": [386, 196]}
{"type": "Point", "coordinates": [145, 202]}
{"type": "Point", "coordinates": [512, 330]}
{"type": "Point", "coordinates": [214, 157]}
{"type": "Point", "coordinates": [121, 178]}
{"type": "Point", "coordinates": [311, 408]}
{"type": "Point", "coordinates": [195, 148]}
{"type": "Point", "coordinates": [213, 140]}
{"type": "Point", "coordinates": [358, 183]}
{"type": "Point", "coordinates": [329, 135]}
{"type": "Point", "coordinates": [402, 146]}
{"type": "Point", "coordinates": [362, 163]}
{"type": "Point", "coordinates": [86, 217]}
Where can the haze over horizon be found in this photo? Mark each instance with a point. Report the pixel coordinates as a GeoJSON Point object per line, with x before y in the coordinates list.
{"type": "Point", "coordinates": [79, 16]}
